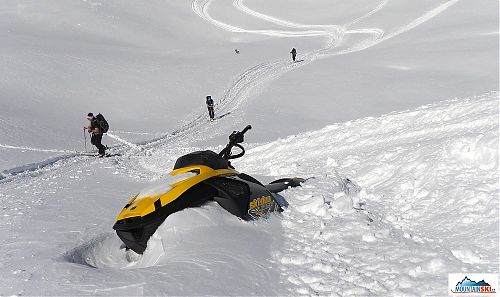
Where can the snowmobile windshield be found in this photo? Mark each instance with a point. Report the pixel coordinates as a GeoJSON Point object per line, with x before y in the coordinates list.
{"type": "Point", "coordinates": [207, 158]}
{"type": "Point", "coordinates": [162, 186]}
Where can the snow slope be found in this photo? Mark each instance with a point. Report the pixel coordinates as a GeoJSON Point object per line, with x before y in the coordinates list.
{"type": "Point", "coordinates": [414, 171]}
{"type": "Point", "coordinates": [148, 66]}
{"type": "Point", "coordinates": [392, 200]}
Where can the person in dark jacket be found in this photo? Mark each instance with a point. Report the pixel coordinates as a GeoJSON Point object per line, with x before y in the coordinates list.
{"type": "Point", "coordinates": [294, 53]}
{"type": "Point", "coordinates": [95, 129]}
{"type": "Point", "coordinates": [210, 106]}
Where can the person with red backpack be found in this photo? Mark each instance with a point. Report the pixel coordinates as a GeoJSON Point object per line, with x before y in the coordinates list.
{"type": "Point", "coordinates": [97, 127]}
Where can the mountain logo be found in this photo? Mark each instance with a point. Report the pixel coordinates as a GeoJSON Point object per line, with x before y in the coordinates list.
{"type": "Point", "coordinates": [468, 285]}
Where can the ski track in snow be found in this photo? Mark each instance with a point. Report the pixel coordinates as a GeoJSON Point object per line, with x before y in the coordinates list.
{"type": "Point", "coordinates": [26, 148]}
{"type": "Point", "coordinates": [251, 79]}
{"type": "Point", "coordinates": [374, 238]}
{"type": "Point", "coordinates": [350, 223]}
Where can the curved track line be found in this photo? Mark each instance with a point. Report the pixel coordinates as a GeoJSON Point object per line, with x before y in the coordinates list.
{"type": "Point", "coordinates": [235, 95]}
{"type": "Point", "coordinates": [26, 148]}
{"type": "Point", "coordinates": [119, 139]}
{"type": "Point", "coordinates": [242, 7]}
{"type": "Point", "coordinates": [333, 33]}
{"type": "Point", "coordinates": [419, 21]}
{"type": "Point", "coordinates": [136, 133]}
{"type": "Point", "coordinates": [415, 23]}
{"type": "Point", "coordinates": [367, 15]}
{"type": "Point", "coordinates": [200, 7]}
{"type": "Point", "coordinates": [257, 75]}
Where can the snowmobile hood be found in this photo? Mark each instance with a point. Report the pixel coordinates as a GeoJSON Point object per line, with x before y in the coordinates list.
{"type": "Point", "coordinates": [148, 201]}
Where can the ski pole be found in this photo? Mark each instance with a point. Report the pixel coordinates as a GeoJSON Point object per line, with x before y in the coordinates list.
{"type": "Point", "coordinates": [85, 137]}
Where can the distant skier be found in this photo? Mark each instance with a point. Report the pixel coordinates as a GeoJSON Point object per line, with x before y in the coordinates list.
{"type": "Point", "coordinates": [294, 53]}
{"type": "Point", "coordinates": [96, 130]}
{"type": "Point", "coordinates": [210, 106]}
{"type": "Point", "coordinates": [236, 51]}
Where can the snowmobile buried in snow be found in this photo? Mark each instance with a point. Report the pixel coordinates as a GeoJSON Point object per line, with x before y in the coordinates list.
{"type": "Point", "coordinates": [203, 176]}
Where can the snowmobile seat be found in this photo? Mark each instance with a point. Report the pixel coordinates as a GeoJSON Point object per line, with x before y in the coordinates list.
{"type": "Point", "coordinates": [207, 158]}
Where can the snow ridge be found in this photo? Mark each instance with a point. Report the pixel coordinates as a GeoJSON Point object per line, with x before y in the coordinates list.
{"type": "Point", "coordinates": [364, 223]}
{"type": "Point", "coordinates": [382, 240]}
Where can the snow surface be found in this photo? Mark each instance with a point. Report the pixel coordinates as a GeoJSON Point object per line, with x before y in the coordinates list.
{"type": "Point", "coordinates": [392, 116]}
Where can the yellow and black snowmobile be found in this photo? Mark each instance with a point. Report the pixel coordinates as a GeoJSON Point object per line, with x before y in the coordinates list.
{"type": "Point", "coordinates": [211, 177]}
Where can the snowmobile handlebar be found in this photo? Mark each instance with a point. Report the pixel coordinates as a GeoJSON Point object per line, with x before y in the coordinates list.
{"type": "Point", "coordinates": [237, 137]}
{"type": "Point", "coordinates": [234, 139]}
{"type": "Point", "coordinates": [248, 127]}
